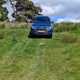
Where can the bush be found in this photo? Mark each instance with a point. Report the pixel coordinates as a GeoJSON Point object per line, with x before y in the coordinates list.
{"type": "Point", "coordinates": [2, 26]}
{"type": "Point", "coordinates": [19, 26]}
{"type": "Point", "coordinates": [1, 35]}
{"type": "Point", "coordinates": [61, 27]}
{"type": "Point", "coordinates": [68, 38]}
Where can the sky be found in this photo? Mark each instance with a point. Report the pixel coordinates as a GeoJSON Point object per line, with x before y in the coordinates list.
{"type": "Point", "coordinates": [64, 8]}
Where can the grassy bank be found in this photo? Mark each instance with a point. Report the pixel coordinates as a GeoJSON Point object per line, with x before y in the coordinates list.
{"type": "Point", "coordinates": [23, 58]}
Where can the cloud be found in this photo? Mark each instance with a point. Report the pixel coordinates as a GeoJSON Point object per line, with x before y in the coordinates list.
{"type": "Point", "coordinates": [60, 7]}
{"type": "Point", "coordinates": [68, 20]}
{"type": "Point", "coordinates": [47, 10]}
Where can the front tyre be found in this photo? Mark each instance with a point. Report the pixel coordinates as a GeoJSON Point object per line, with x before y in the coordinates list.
{"type": "Point", "coordinates": [50, 36]}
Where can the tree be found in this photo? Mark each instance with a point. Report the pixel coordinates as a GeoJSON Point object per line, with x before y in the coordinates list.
{"type": "Point", "coordinates": [3, 12]}
{"type": "Point", "coordinates": [27, 8]}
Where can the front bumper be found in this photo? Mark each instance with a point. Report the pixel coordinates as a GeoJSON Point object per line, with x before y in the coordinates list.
{"type": "Point", "coordinates": [41, 32]}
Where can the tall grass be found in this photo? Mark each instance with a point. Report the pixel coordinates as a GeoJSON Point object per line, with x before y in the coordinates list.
{"type": "Point", "coordinates": [69, 38]}
{"type": "Point", "coordinates": [61, 27]}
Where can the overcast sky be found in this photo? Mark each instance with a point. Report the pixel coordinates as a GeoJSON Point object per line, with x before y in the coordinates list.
{"type": "Point", "coordinates": [70, 8]}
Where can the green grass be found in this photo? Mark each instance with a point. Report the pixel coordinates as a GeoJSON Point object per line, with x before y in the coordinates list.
{"type": "Point", "coordinates": [22, 58]}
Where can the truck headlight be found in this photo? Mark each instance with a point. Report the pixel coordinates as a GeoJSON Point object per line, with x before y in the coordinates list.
{"type": "Point", "coordinates": [49, 28]}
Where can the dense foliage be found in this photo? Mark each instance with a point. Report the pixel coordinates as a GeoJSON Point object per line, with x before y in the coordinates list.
{"type": "Point", "coordinates": [2, 12]}
{"type": "Point", "coordinates": [26, 8]}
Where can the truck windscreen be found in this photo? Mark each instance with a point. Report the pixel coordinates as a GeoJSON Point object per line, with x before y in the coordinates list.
{"type": "Point", "coordinates": [41, 21]}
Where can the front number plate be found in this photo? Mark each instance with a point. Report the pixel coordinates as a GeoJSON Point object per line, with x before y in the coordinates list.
{"type": "Point", "coordinates": [41, 31]}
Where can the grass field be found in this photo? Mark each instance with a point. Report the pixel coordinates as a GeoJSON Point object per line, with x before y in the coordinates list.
{"type": "Point", "coordinates": [23, 58]}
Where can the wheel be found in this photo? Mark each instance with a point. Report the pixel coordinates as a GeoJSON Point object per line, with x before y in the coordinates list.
{"type": "Point", "coordinates": [30, 34]}
{"type": "Point", "coordinates": [50, 36]}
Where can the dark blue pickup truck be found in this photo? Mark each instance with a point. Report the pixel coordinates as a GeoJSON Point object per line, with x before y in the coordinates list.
{"type": "Point", "coordinates": [41, 26]}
